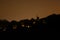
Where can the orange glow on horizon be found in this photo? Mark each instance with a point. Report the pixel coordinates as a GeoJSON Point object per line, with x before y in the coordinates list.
{"type": "Point", "coordinates": [22, 9]}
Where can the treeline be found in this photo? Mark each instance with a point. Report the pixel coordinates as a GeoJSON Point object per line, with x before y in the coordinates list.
{"type": "Point", "coordinates": [47, 24]}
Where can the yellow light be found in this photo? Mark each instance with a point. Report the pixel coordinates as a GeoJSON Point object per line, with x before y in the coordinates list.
{"type": "Point", "coordinates": [34, 22]}
{"type": "Point", "coordinates": [22, 25]}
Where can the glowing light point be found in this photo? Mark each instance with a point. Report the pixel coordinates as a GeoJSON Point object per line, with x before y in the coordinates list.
{"type": "Point", "coordinates": [23, 25]}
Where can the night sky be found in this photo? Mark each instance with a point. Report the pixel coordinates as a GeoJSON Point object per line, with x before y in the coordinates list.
{"type": "Point", "coordinates": [22, 9]}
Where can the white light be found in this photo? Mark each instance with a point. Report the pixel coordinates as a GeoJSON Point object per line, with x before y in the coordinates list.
{"type": "Point", "coordinates": [28, 26]}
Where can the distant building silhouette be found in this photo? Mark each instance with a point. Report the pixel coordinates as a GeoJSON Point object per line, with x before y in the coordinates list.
{"type": "Point", "coordinates": [50, 23]}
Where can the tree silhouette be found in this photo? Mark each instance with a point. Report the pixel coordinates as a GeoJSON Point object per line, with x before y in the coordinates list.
{"type": "Point", "coordinates": [50, 23]}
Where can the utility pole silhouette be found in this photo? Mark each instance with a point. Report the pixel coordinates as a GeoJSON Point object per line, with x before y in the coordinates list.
{"type": "Point", "coordinates": [37, 17]}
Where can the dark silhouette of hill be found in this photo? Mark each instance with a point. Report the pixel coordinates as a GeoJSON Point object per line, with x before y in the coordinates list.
{"type": "Point", "coordinates": [50, 23]}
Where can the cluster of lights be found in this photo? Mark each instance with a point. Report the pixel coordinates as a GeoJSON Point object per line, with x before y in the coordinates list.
{"type": "Point", "coordinates": [25, 26]}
